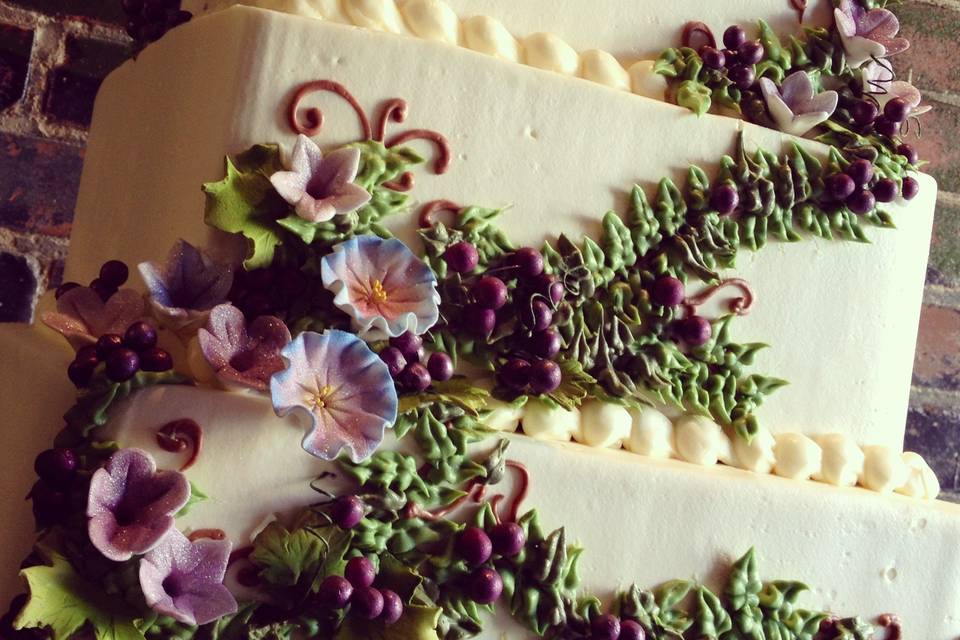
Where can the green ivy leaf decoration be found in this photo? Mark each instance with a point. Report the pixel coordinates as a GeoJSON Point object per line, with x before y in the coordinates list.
{"type": "Point", "coordinates": [711, 621]}
{"type": "Point", "coordinates": [287, 557]}
{"type": "Point", "coordinates": [196, 497]}
{"type": "Point", "coordinates": [459, 392]}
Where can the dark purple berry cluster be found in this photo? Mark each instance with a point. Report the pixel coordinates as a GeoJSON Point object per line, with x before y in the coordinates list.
{"type": "Point", "coordinates": [113, 275]}
{"type": "Point", "coordinates": [122, 356]}
{"type": "Point", "coordinates": [478, 548]}
{"type": "Point", "coordinates": [738, 58]}
{"type": "Point", "coordinates": [405, 357]}
{"type": "Point", "coordinates": [669, 292]}
{"type": "Point", "coordinates": [859, 188]}
{"type": "Point", "coordinates": [355, 589]}
{"type": "Point", "coordinates": [605, 626]}
{"type": "Point", "coordinates": [267, 292]}
{"type": "Point", "coordinates": [148, 20]}
{"type": "Point", "coordinates": [868, 118]}
{"type": "Point", "coordinates": [57, 471]}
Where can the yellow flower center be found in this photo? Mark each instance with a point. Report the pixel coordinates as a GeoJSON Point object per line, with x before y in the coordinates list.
{"type": "Point", "coordinates": [378, 293]}
{"type": "Point", "coordinates": [318, 399]}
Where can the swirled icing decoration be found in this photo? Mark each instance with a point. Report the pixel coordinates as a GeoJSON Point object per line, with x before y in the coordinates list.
{"type": "Point", "coordinates": [314, 116]}
{"type": "Point", "coordinates": [695, 28]}
{"type": "Point", "coordinates": [207, 534]}
{"type": "Point", "coordinates": [741, 306]}
{"type": "Point", "coordinates": [425, 218]}
{"type": "Point", "coordinates": [179, 435]}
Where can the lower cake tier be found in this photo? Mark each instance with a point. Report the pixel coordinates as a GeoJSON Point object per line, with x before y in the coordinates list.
{"type": "Point", "coordinates": [639, 520]}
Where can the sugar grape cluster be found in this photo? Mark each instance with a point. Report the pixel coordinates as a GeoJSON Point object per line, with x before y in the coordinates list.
{"type": "Point", "coordinates": [669, 292]}
{"type": "Point", "coordinates": [113, 275]}
{"type": "Point", "coordinates": [57, 470]}
{"type": "Point", "coordinates": [122, 356]}
{"type": "Point", "coordinates": [738, 57]}
{"type": "Point", "coordinates": [477, 548]}
{"type": "Point", "coordinates": [859, 188]}
{"type": "Point", "coordinates": [405, 357]}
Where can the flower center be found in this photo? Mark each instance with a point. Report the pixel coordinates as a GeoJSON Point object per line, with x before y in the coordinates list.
{"type": "Point", "coordinates": [377, 293]}
{"type": "Point", "coordinates": [318, 399]}
{"type": "Point", "coordinates": [174, 586]}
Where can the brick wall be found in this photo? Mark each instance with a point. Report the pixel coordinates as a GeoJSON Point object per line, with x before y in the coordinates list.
{"type": "Point", "coordinates": [54, 53]}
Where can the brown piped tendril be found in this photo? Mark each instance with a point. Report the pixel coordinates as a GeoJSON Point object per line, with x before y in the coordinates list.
{"type": "Point", "coordinates": [207, 534]}
{"type": "Point", "coordinates": [425, 219]}
{"type": "Point", "coordinates": [178, 436]}
{"type": "Point", "coordinates": [740, 306]}
{"type": "Point", "coordinates": [314, 116]}
{"type": "Point", "coordinates": [691, 29]}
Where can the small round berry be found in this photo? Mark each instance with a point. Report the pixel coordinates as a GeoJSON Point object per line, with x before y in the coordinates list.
{"type": "Point", "coordinates": [528, 261]}
{"type": "Point", "coordinates": [734, 36]}
{"type": "Point", "coordinates": [410, 345]}
{"type": "Point", "coordinates": [490, 292]}
{"type": "Point", "coordinates": [897, 110]}
{"type": "Point", "coordinates": [909, 152]}
{"type": "Point", "coordinates": [335, 592]}
{"type": "Point", "coordinates": [56, 467]}
{"type": "Point", "coordinates": [750, 52]}
{"type": "Point", "coordinates": [392, 606]}
{"type": "Point", "coordinates": [696, 331]}
{"type": "Point", "coordinates": [415, 378]}
{"type": "Point", "coordinates": [861, 171]}
{"type": "Point", "coordinates": [347, 511]}
{"type": "Point", "coordinates": [605, 627]}
{"type": "Point", "coordinates": [742, 76]}
{"type": "Point", "coordinates": [545, 344]}
{"type": "Point", "coordinates": [538, 316]}
{"type": "Point", "coordinates": [49, 504]}
{"type": "Point", "coordinates": [133, 7]}
{"type": "Point", "coordinates": [479, 322]}
{"type": "Point", "coordinates": [886, 127]}
{"type": "Point", "coordinates": [545, 376]}
{"type": "Point", "coordinates": [886, 190]}
{"type": "Point", "coordinates": [102, 289]}
{"type": "Point", "coordinates": [156, 360]}
{"type": "Point", "coordinates": [140, 336]}
{"type": "Point", "coordinates": [515, 373]}
{"type": "Point", "coordinates": [461, 257]}
{"type": "Point", "coordinates": [507, 539]}
{"type": "Point", "coordinates": [631, 630]}
{"type": "Point", "coordinates": [122, 364]}
{"type": "Point", "coordinates": [66, 286]}
{"type": "Point", "coordinates": [861, 202]}
{"type": "Point", "coordinates": [667, 291]}
{"type": "Point", "coordinates": [360, 572]}
{"type": "Point", "coordinates": [81, 371]}
{"type": "Point", "coordinates": [87, 352]}
{"type": "Point", "coordinates": [724, 199]}
{"type": "Point", "coordinates": [394, 360]}
{"type": "Point", "coordinates": [864, 112]}
{"type": "Point", "coordinates": [713, 58]}
{"type": "Point", "coordinates": [440, 367]}
{"type": "Point", "coordinates": [107, 344]}
{"type": "Point", "coordinates": [474, 546]}
{"type": "Point", "coordinates": [486, 585]}
{"type": "Point", "coordinates": [910, 188]}
{"type": "Point", "coordinates": [840, 186]}
{"type": "Point", "coordinates": [114, 273]}
{"type": "Point", "coordinates": [549, 286]}
{"type": "Point", "coordinates": [366, 603]}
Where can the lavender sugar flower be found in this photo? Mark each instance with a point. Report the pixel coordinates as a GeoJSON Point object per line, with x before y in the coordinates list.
{"type": "Point", "coordinates": [795, 107]}
{"type": "Point", "coordinates": [242, 355]}
{"type": "Point", "coordinates": [868, 34]}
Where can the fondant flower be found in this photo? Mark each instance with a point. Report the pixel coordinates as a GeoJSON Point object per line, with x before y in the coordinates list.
{"type": "Point", "coordinates": [319, 187]}
{"type": "Point", "coordinates": [868, 34]}
{"type": "Point", "coordinates": [879, 81]}
{"type": "Point", "coordinates": [184, 579]}
{"type": "Point", "coordinates": [131, 505]}
{"type": "Point", "coordinates": [342, 386]}
{"type": "Point", "coordinates": [187, 286]}
{"type": "Point", "coordinates": [382, 286]}
{"type": "Point", "coordinates": [794, 106]}
{"type": "Point", "coordinates": [82, 316]}
{"type": "Point", "coordinates": [241, 355]}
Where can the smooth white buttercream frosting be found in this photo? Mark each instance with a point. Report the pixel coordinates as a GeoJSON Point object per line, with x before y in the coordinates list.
{"type": "Point", "coordinates": [651, 434]}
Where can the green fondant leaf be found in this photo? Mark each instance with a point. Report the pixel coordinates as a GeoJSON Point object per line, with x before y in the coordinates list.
{"type": "Point", "coordinates": [288, 557]}
{"type": "Point", "coordinates": [695, 96]}
{"type": "Point", "coordinates": [196, 497]}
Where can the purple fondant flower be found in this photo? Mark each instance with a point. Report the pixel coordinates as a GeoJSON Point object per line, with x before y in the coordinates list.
{"type": "Point", "coordinates": [82, 316]}
{"type": "Point", "coordinates": [794, 106]}
{"type": "Point", "coordinates": [319, 187]}
{"type": "Point", "coordinates": [184, 579]}
{"type": "Point", "coordinates": [241, 355]}
{"type": "Point", "coordinates": [187, 286]}
{"type": "Point", "coordinates": [383, 286]}
{"type": "Point", "coordinates": [131, 505]}
{"type": "Point", "coordinates": [344, 389]}
{"type": "Point", "coordinates": [868, 34]}
{"type": "Point", "coordinates": [879, 81]}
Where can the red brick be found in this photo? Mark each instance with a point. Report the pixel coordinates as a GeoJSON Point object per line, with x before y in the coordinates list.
{"type": "Point", "coordinates": [72, 87]}
{"type": "Point", "coordinates": [15, 47]}
{"type": "Point", "coordinates": [937, 362]}
{"type": "Point", "coordinates": [40, 200]}
{"type": "Point", "coordinates": [100, 10]}
{"type": "Point", "coordinates": [18, 288]}
{"type": "Point", "coordinates": [934, 433]}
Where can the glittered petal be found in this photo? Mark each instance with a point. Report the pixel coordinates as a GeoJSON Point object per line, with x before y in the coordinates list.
{"type": "Point", "coordinates": [339, 167]}
{"type": "Point", "coordinates": [796, 89]}
{"type": "Point", "coordinates": [348, 197]}
{"type": "Point", "coordinates": [82, 316]}
{"type": "Point", "coordinates": [241, 356]}
{"type": "Point", "coordinates": [878, 23]}
{"type": "Point", "coordinates": [209, 602]}
{"type": "Point", "coordinates": [825, 102]}
{"type": "Point", "coordinates": [290, 185]}
{"type": "Point", "coordinates": [313, 210]}
{"type": "Point", "coordinates": [846, 24]}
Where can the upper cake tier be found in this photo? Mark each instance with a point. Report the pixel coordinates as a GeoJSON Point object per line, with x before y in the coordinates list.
{"type": "Point", "coordinates": [559, 152]}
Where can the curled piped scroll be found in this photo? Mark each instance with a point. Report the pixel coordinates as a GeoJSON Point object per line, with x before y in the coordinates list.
{"type": "Point", "coordinates": [314, 116]}
{"type": "Point", "coordinates": [427, 212]}
{"type": "Point", "coordinates": [695, 28]}
{"type": "Point", "coordinates": [179, 436]}
{"type": "Point", "coordinates": [740, 306]}
{"type": "Point", "coordinates": [207, 534]}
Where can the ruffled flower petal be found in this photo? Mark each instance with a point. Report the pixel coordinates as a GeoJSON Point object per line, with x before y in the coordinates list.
{"type": "Point", "coordinates": [131, 505]}
{"type": "Point", "coordinates": [868, 34]}
{"type": "Point", "coordinates": [882, 86]}
{"type": "Point", "coordinates": [382, 286]}
{"type": "Point", "coordinates": [82, 316]}
{"type": "Point", "coordinates": [794, 106]}
{"type": "Point", "coordinates": [241, 355]}
{"type": "Point", "coordinates": [342, 387]}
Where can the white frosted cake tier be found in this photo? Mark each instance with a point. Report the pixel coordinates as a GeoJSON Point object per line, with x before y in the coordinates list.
{"type": "Point", "coordinates": [223, 82]}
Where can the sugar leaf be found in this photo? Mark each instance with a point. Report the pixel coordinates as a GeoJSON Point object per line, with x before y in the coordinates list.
{"type": "Point", "coordinates": [285, 557]}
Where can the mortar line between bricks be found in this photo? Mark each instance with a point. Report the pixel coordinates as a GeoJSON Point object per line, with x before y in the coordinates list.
{"type": "Point", "coordinates": [921, 397]}
{"type": "Point", "coordinates": [945, 97]}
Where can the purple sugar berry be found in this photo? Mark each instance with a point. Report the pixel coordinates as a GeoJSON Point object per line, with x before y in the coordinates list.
{"type": "Point", "coordinates": [750, 52]}
{"type": "Point", "coordinates": [477, 321]}
{"type": "Point", "coordinates": [392, 606]}
{"type": "Point", "coordinates": [415, 378]}
{"type": "Point", "coordinates": [490, 292]}
{"type": "Point", "coordinates": [515, 374]}
{"type": "Point", "coordinates": [545, 344]}
{"type": "Point", "coordinates": [410, 345]}
{"type": "Point", "coordinates": [667, 291]}
{"type": "Point", "coordinates": [507, 539]}
{"type": "Point", "coordinates": [605, 627]}
{"type": "Point", "coordinates": [631, 630]}
{"type": "Point", "coordinates": [910, 188]}
{"type": "Point", "coordinates": [861, 171]}
{"type": "Point", "coordinates": [696, 331]}
{"type": "Point", "coordinates": [461, 257]}
{"type": "Point", "coordinates": [528, 262]}
{"type": "Point", "coordinates": [886, 190]}
{"type": "Point", "coordinates": [66, 286]}
{"type": "Point", "coordinates": [102, 289]}
{"type": "Point", "coordinates": [122, 364]}
{"type": "Point", "coordinates": [725, 199]}
{"type": "Point", "coordinates": [49, 504]}
{"type": "Point", "coordinates": [335, 592]}
{"type": "Point", "coordinates": [394, 360]}
{"type": "Point", "coordinates": [742, 76]}
{"type": "Point", "coordinates": [87, 352]}
{"type": "Point", "coordinates": [734, 36]}
{"type": "Point", "coordinates": [537, 316]}
{"type": "Point", "coordinates": [114, 273]}
{"type": "Point", "coordinates": [864, 112]}
{"type": "Point", "coordinates": [713, 58]}
{"type": "Point", "coordinates": [347, 511]}
{"type": "Point", "coordinates": [545, 376]}
{"type": "Point", "coordinates": [366, 603]}
{"type": "Point", "coordinates": [474, 546]}
{"type": "Point", "coordinates": [861, 202]}
{"type": "Point", "coordinates": [486, 585]}
{"type": "Point", "coordinates": [909, 152]}
{"type": "Point", "coordinates": [156, 360]}
{"type": "Point", "coordinates": [840, 186]}
{"type": "Point", "coordinates": [440, 367]}
{"type": "Point", "coordinates": [56, 467]}
{"type": "Point", "coordinates": [81, 371]}
{"type": "Point", "coordinates": [360, 572]}
{"type": "Point", "coordinates": [897, 110]}
{"type": "Point", "coordinates": [140, 336]}
{"type": "Point", "coordinates": [886, 127]}
{"type": "Point", "coordinates": [548, 286]}
{"type": "Point", "coordinates": [107, 344]}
